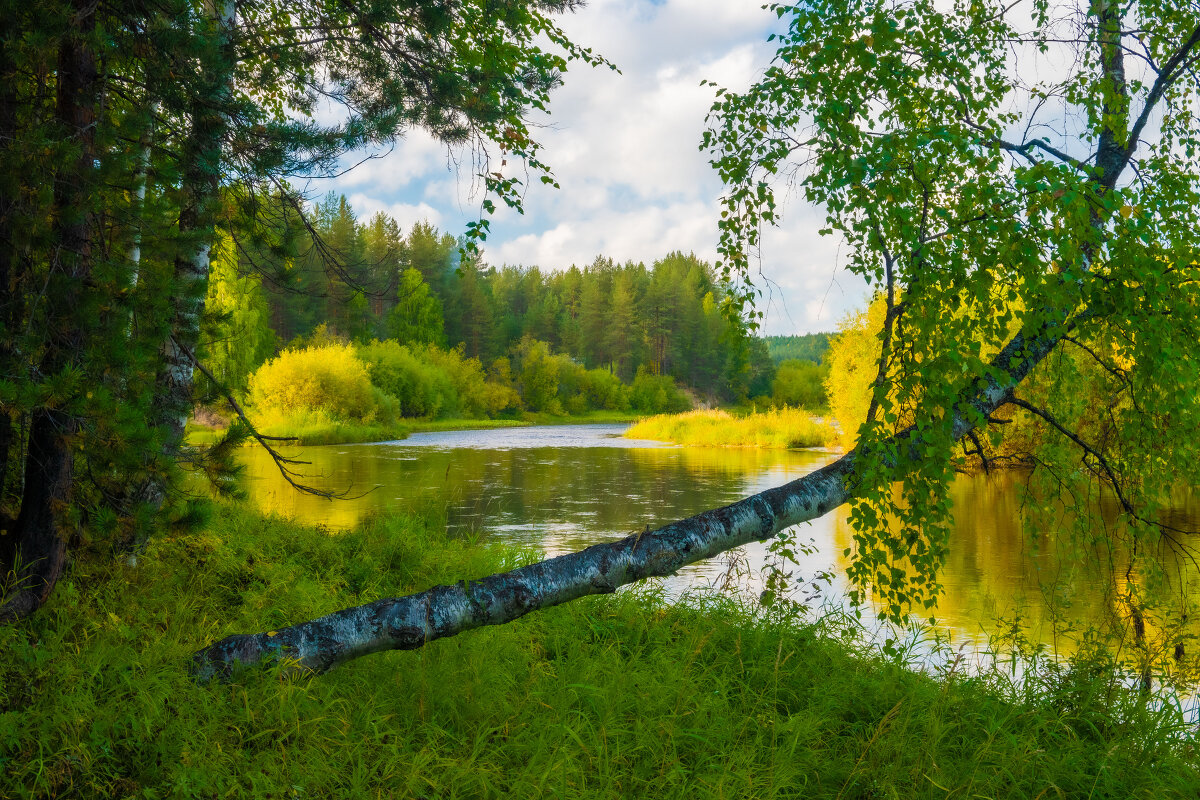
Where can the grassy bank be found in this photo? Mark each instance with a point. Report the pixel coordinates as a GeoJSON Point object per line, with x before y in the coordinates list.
{"type": "Point", "coordinates": [777, 428]}
{"type": "Point", "coordinates": [598, 417]}
{"type": "Point", "coordinates": [326, 431]}
{"type": "Point", "coordinates": [616, 696]}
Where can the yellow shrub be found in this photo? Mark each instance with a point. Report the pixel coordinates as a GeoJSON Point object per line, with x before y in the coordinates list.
{"type": "Point", "coordinates": [778, 428]}
{"type": "Point", "coordinates": [328, 379]}
{"type": "Point", "coordinates": [853, 360]}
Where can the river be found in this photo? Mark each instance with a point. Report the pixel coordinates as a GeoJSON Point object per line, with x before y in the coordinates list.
{"type": "Point", "coordinates": [561, 488]}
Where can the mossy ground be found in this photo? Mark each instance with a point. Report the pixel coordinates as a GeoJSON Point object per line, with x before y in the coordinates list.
{"type": "Point", "coordinates": [619, 696]}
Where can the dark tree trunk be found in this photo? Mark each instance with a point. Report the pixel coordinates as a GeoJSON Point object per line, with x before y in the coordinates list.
{"type": "Point", "coordinates": [40, 542]}
{"type": "Point", "coordinates": [10, 298]}
{"type": "Point", "coordinates": [39, 550]}
{"type": "Point", "coordinates": [410, 622]}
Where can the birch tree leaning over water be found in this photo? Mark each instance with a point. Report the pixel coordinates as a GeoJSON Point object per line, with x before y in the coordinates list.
{"type": "Point", "coordinates": [1021, 182]}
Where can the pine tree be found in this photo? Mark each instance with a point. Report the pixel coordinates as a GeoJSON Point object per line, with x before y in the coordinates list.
{"type": "Point", "coordinates": [417, 315]}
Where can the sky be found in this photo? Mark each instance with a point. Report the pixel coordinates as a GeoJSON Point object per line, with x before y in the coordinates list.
{"type": "Point", "coordinates": [624, 148]}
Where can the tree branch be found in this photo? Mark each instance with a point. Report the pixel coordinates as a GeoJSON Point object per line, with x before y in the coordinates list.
{"type": "Point", "coordinates": [284, 463]}
{"type": "Point", "coordinates": [1081, 444]}
{"type": "Point", "coordinates": [1042, 144]}
{"type": "Point", "coordinates": [1180, 61]}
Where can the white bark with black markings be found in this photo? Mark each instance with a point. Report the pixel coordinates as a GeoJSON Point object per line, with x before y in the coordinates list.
{"type": "Point", "coordinates": [410, 622]}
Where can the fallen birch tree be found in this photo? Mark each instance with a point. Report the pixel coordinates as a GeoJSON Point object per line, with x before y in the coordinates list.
{"type": "Point", "coordinates": [407, 623]}
{"type": "Point", "coordinates": [993, 246]}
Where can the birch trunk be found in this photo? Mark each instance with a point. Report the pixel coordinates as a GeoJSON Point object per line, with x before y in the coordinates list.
{"type": "Point", "coordinates": [410, 622]}
{"type": "Point", "coordinates": [201, 186]}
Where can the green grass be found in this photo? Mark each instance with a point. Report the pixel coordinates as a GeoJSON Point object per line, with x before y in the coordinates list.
{"type": "Point", "coordinates": [618, 696]}
{"type": "Point", "coordinates": [778, 428]}
{"type": "Point", "coordinates": [597, 417]}
{"type": "Point", "coordinates": [325, 431]}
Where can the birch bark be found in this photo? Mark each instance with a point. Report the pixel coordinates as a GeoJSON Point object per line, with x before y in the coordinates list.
{"type": "Point", "coordinates": [201, 187]}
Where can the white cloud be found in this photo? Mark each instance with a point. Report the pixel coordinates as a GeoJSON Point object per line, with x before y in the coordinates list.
{"type": "Point", "coordinates": [624, 148]}
{"type": "Point", "coordinates": [406, 214]}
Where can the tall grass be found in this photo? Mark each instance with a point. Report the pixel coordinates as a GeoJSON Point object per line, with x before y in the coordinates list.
{"type": "Point", "coordinates": [618, 696]}
{"type": "Point", "coordinates": [779, 428]}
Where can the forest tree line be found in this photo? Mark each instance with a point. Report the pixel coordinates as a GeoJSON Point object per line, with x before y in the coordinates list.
{"type": "Point", "coordinates": [343, 280]}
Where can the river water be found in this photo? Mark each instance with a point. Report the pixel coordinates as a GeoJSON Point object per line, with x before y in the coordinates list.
{"type": "Point", "coordinates": [557, 489]}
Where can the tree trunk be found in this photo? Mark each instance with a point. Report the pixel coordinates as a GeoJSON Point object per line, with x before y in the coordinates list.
{"type": "Point", "coordinates": [38, 554]}
{"type": "Point", "coordinates": [201, 184]}
{"type": "Point", "coordinates": [11, 301]}
{"type": "Point", "coordinates": [409, 622]}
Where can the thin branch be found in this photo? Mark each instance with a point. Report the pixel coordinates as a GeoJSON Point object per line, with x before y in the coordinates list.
{"type": "Point", "coordinates": [284, 463]}
{"type": "Point", "coordinates": [1042, 144]}
{"type": "Point", "coordinates": [1087, 449]}
{"type": "Point", "coordinates": [1112, 479]}
{"type": "Point", "coordinates": [1177, 63]}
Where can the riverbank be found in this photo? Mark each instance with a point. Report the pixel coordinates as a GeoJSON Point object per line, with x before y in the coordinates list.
{"type": "Point", "coordinates": [325, 431]}
{"type": "Point", "coordinates": [617, 696]}
{"type": "Point", "coordinates": [777, 428]}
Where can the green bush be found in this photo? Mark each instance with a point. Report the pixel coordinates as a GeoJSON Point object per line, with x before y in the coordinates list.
{"type": "Point", "coordinates": [605, 390]}
{"type": "Point", "coordinates": [420, 388]}
{"type": "Point", "coordinates": [656, 394]}
{"type": "Point", "coordinates": [800, 383]}
{"type": "Point", "coordinates": [537, 376]}
{"type": "Point", "coordinates": [473, 396]}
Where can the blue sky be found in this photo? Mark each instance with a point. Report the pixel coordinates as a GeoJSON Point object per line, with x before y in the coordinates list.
{"type": "Point", "coordinates": [624, 148]}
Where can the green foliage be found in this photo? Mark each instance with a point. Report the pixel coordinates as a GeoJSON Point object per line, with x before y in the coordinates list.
{"type": "Point", "coordinates": [614, 696]}
{"type": "Point", "coordinates": [902, 118]}
{"type": "Point", "coordinates": [806, 347]}
{"type": "Point", "coordinates": [537, 377]}
{"type": "Point", "coordinates": [476, 396]}
{"type": "Point", "coordinates": [601, 389]}
{"type": "Point", "coordinates": [420, 387]}
{"type": "Point", "coordinates": [237, 335]}
{"type": "Point", "coordinates": [656, 394]}
{"type": "Point", "coordinates": [323, 389]}
{"type": "Point", "coordinates": [417, 316]}
{"type": "Point", "coordinates": [617, 317]}
{"type": "Point", "coordinates": [800, 383]}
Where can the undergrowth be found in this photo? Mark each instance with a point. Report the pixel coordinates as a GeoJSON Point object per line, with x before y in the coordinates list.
{"type": "Point", "coordinates": [778, 428]}
{"type": "Point", "coordinates": [617, 696]}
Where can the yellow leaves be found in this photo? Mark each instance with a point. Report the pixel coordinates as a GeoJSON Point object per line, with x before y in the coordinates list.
{"type": "Point", "coordinates": [328, 378]}
{"type": "Point", "coordinates": [1126, 211]}
{"type": "Point", "coordinates": [1122, 356]}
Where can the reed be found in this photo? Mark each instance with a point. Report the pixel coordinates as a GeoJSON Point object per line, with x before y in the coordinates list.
{"type": "Point", "coordinates": [779, 428]}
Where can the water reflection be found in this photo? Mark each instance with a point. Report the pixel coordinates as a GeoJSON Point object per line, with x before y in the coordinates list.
{"type": "Point", "coordinates": [559, 489]}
